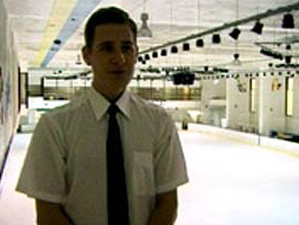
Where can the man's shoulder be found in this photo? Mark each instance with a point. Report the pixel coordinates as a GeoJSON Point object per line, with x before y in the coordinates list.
{"type": "Point", "coordinates": [73, 106]}
{"type": "Point", "coordinates": [145, 104]}
{"type": "Point", "coordinates": [149, 109]}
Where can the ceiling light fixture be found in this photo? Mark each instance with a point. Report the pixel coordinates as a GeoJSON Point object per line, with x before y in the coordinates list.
{"type": "Point", "coordinates": [164, 52]}
{"type": "Point", "coordinates": [186, 47]}
{"type": "Point", "coordinates": [288, 21]}
{"type": "Point", "coordinates": [174, 49]}
{"type": "Point", "coordinates": [199, 43]}
{"type": "Point", "coordinates": [144, 30]}
{"type": "Point", "coordinates": [57, 41]}
{"type": "Point", "coordinates": [78, 61]}
{"type": "Point", "coordinates": [155, 54]}
{"type": "Point", "coordinates": [238, 22]}
{"type": "Point", "coordinates": [258, 27]}
{"type": "Point", "coordinates": [235, 33]}
{"type": "Point", "coordinates": [236, 61]}
{"type": "Point", "coordinates": [216, 39]}
{"type": "Point", "coordinates": [147, 57]}
{"type": "Point", "coordinates": [288, 59]}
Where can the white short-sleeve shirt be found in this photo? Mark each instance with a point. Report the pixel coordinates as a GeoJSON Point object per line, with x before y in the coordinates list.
{"type": "Point", "coordinates": [66, 160]}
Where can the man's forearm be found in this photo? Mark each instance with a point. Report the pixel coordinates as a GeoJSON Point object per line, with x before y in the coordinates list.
{"type": "Point", "coordinates": [165, 212]}
{"type": "Point", "coordinates": [162, 215]}
{"type": "Point", "coordinates": [50, 213]}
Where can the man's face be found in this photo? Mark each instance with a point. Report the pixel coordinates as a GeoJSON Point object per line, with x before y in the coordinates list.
{"type": "Point", "coordinates": [112, 57]}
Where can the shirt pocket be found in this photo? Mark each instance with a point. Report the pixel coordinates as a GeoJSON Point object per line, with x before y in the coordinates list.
{"type": "Point", "coordinates": [144, 181]}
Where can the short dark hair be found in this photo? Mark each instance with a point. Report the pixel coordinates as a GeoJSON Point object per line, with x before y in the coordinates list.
{"type": "Point", "coordinates": [110, 15]}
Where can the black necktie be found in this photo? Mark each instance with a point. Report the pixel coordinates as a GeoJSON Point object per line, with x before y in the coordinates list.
{"type": "Point", "coordinates": [118, 212]}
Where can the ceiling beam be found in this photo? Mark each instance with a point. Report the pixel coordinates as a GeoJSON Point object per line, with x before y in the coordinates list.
{"type": "Point", "coordinates": [73, 20]}
{"type": "Point", "coordinates": [59, 15]}
{"type": "Point", "coordinates": [268, 13]}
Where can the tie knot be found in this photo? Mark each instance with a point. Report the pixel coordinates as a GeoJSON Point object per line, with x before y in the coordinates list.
{"type": "Point", "coordinates": [113, 109]}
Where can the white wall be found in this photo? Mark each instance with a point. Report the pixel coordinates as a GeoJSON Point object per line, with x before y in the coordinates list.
{"type": "Point", "coordinates": [292, 123]}
{"type": "Point", "coordinates": [270, 104]}
{"type": "Point", "coordinates": [8, 83]}
{"type": "Point", "coordinates": [238, 103]}
{"type": "Point", "coordinates": [213, 90]}
{"type": "Point", "coordinates": [35, 74]}
{"type": "Point", "coordinates": [252, 139]}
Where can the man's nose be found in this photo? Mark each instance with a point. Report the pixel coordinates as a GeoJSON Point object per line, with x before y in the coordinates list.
{"type": "Point", "coordinates": [118, 57]}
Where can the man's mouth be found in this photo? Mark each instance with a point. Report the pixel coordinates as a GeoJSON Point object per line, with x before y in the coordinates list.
{"type": "Point", "coordinates": [117, 71]}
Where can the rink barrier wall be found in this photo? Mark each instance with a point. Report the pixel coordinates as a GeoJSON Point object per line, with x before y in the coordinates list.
{"type": "Point", "coordinates": [247, 138]}
{"type": "Point", "coordinates": [9, 86]}
{"type": "Point", "coordinates": [2, 168]}
{"type": "Point", "coordinates": [6, 156]}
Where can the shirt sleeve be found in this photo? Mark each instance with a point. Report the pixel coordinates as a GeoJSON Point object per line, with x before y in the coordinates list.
{"type": "Point", "coordinates": [43, 173]}
{"type": "Point", "coordinates": [170, 165]}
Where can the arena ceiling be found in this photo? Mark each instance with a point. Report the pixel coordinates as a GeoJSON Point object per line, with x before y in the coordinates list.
{"type": "Point", "coordinates": [49, 33]}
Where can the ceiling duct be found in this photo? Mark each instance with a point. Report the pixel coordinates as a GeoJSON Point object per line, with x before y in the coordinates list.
{"type": "Point", "coordinates": [271, 53]}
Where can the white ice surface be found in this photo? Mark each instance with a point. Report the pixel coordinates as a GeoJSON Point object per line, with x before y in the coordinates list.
{"type": "Point", "coordinates": [231, 183]}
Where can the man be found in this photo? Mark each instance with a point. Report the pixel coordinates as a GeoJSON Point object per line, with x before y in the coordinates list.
{"type": "Point", "coordinates": [66, 168]}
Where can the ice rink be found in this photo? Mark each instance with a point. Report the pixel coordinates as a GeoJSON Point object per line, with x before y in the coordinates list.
{"type": "Point", "coordinates": [231, 183]}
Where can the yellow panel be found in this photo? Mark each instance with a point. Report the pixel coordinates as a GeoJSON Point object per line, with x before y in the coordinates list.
{"type": "Point", "coordinates": [60, 13]}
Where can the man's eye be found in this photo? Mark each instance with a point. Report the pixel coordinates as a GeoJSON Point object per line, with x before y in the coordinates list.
{"type": "Point", "coordinates": [106, 48]}
{"type": "Point", "coordinates": [126, 48]}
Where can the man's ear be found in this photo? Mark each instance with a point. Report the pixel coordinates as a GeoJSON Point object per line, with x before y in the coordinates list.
{"type": "Point", "coordinates": [86, 55]}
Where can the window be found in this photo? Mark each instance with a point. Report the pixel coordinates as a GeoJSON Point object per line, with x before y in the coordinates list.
{"type": "Point", "coordinates": [289, 96]}
{"type": "Point", "coordinates": [252, 106]}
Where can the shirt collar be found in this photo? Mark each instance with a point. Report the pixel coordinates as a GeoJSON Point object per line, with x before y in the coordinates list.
{"type": "Point", "coordinates": [100, 104]}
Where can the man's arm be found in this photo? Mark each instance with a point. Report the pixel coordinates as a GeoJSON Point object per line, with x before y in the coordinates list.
{"type": "Point", "coordinates": [50, 213]}
{"type": "Point", "coordinates": [165, 212]}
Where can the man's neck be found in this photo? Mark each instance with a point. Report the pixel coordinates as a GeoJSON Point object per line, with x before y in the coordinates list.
{"type": "Point", "coordinates": [111, 96]}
